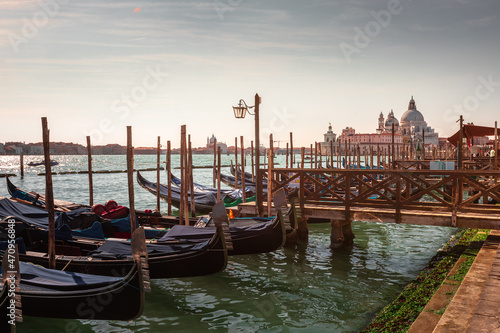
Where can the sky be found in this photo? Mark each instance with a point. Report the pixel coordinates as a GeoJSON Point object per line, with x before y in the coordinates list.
{"type": "Point", "coordinates": [95, 67]}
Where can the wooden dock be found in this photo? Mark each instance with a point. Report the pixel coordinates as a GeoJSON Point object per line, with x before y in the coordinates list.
{"type": "Point", "coordinates": [408, 216]}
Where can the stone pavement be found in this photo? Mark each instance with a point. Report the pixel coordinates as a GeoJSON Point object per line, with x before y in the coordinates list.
{"type": "Point", "coordinates": [476, 305]}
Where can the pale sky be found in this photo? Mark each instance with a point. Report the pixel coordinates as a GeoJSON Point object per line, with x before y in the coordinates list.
{"type": "Point", "coordinates": [94, 67]}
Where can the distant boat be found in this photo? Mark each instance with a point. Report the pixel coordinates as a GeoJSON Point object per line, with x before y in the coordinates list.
{"type": "Point", "coordinates": [42, 163]}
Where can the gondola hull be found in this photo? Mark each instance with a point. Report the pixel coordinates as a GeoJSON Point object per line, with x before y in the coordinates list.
{"type": "Point", "coordinates": [261, 237]}
{"type": "Point", "coordinates": [203, 202]}
{"type": "Point", "coordinates": [208, 260]}
{"type": "Point", "coordinates": [119, 301]}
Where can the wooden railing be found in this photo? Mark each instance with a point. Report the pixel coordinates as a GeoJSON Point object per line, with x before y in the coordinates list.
{"type": "Point", "coordinates": [420, 190]}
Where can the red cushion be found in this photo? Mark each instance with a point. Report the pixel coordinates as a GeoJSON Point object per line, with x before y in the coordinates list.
{"type": "Point", "coordinates": [99, 209]}
{"type": "Point", "coordinates": [110, 204]}
{"type": "Point", "coordinates": [117, 213]}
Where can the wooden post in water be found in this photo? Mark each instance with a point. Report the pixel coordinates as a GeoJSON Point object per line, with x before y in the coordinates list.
{"type": "Point", "coordinates": [91, 184]}
{"type": "Point", "coordinates": [423, 144]}
{"type": "Point", "coordinates": [459, 145]}
{"type": "Point", "coordinates": [215, 161]}
{"type": "Point", "coordinates": [49, 195]}
{"type": "Point", "coordinates": [169, 179]}
{"type": "Point", "coordinates": [311, 153]}
{"type": "Point", "coordinates": [21, 162]}
{"type": "Point", "coordinates": [183, 174]}
{"type": "Point", "coordinates": [331, 154]}
{"type": "Point", "coordinates": [393, 162]}
{"type": "Point", "coordinates": [236, 163]}
{"type": "Point", "coordinates": [269, 175]}
{"type": "Point", "coordinates": [190, 177]}
{"type": "Point", "coordinates": [186, 180]}
{"type": "Point", "coordinates": [303, 156]}
{"type": "Point", "coordinates": [286, 163]}
{"type": "Point", "coordinates": [379, 161]}
{"type": "Point", "coordinates": [242, 169]}
{"type": "Point", "coordinates": [496, 147]}
{"type": "Point", "coordinates": [358, 153]}
{"type": "Point", "coordinates": [371, 157]}
{"type": "Point", "coordinates": [251, 152]}
{"type": "Point", "coordinates": [218, 173]}
{"type": "Point", "coordinates": [130, 174]}
{"type": "Point", "coordinates": [315, 155]}
{"type": "Point", "coordinates": [292, 156]}
{"type": "Point", "coordinates": [158, 151]}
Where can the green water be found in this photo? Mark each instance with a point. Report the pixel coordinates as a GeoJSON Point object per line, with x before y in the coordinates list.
{"type": "Point", "coordinates": [303, 289]}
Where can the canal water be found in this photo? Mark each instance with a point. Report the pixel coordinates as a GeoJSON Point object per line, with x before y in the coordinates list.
{"type": "Point", "coordinates": [304, 289]}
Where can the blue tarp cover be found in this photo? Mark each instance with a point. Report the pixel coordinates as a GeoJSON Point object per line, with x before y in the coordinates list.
{"type": "Point", "coordinates": [112, 249]}
{"type": "Point", "coordinates": [189, 232]}
{"type": "Point", "coordinates": [61, 280]}
{"type": "Point", "coordinates": [35, 215]}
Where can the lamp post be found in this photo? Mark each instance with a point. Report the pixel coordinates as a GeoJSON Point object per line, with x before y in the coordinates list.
{"type": "Point", "coordinates": [239, 113]}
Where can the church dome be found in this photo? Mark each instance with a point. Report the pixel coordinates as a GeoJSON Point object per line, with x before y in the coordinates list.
{"type": "Point", "coordinates": [391, 120]}
{"type": "Point", "coordinates": [412, 114]}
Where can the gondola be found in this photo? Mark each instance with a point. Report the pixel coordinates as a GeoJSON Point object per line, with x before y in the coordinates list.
{"type": "Point", "coordinates": [113, 257]}
{"type": "Point", "coordinates": [248, 176]}
{"type": "Point", "coordinates": [231, 195]}
{"type": "Point", "coordinates": [175, 259]}
{"type": "Point", "coordinates": [248, 235]}
{"type": "Point", "coordinates": [39, 199]}
{"type": "Point", "coordinates": [203, 201]}
{"type": "Point", "coordinates": [52, 163]}
{"type": "Point", "coordinates": [53, 293]}
{"type": "Point", "coordinates": [260, 236]}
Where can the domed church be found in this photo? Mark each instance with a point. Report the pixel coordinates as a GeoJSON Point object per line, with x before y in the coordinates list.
{"type": "Point", "coordinates": [411, 126]}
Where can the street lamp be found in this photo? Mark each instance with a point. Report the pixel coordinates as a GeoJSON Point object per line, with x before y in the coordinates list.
{"type": "Point", "coordinates": [239, 113]}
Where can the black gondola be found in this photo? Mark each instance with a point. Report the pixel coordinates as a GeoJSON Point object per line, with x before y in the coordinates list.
{"type": "Point", "coordinates": [104, 257]}
{"type": "Point", "coordinates": [61, 294]}
{"type": "Point", "coordinates": [39, 199]}
{"type": "Point", "coordinates": [114, 257]}
{"type": "Point", "coordinates": [259, 237]}
{"type": "Point", "coordinates": [52, 163]}
{"type": "Point", "coordinates": [231, 194]}
{"type": "Point", "coordinates": [203, 201]}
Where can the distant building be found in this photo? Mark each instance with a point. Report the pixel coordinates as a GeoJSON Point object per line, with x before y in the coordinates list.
{"type": "Point", "coordinates": [36, 149]}
{"type": "Point", "coordinates": [2, 149]}
{"type": "Point", "coordinates": [222, 145]}
{"type": "Point", "coordinates": [329, 137]}
{"type": "Point", "coordinates": [412, 126]}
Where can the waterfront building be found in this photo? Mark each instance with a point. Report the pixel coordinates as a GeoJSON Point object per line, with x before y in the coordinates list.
{"type": "Point", "coordinates": [329, 137]}
{"type": "Point", "coordinates": [412, 126]}
{"type": "Point", "coordinates": [210, 144]}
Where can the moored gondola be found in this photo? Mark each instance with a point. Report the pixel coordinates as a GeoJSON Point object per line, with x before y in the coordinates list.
{"type": "Point", "coordinates": [203, 201]}
{"type": "Point", "coordinates": [50, 293]}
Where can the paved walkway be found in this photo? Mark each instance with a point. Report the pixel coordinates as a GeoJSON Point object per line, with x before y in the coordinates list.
{"type": "Point", "coordinates": [476, 305]}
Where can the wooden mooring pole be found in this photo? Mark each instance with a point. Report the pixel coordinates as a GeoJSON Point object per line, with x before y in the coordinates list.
{"type": "Point", "coordinates": [158, 151]}
{"type": "Point", "coordinates": [191, 178]}
{"type": "Point", "coordinates": [218, 173]}
{"type": "Point", "coordinates": [236, 163]}
{"type": "Point", "coordinates": [242, 169]}
{"type": "Point", "coordinates": [21, 162]}
{"type": "Point", "coordinates": [183, 175]}
{"type": "Point", "coordinates": [89, 160]}
{"type": "Point", "coordinates": [215, 162]}
{"type": "Point", "coordinates": [49, 195]}
{"type": "Point", "coordinates": [251, 152]}
{"type": "Point", "coordinates": [269, 175]}
{"type": "Point", "coordinates": [169, 178]}
{"type": "Point", "coordinates": [130, 174]}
